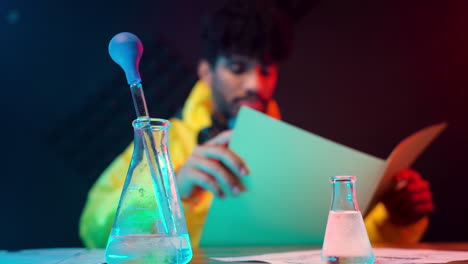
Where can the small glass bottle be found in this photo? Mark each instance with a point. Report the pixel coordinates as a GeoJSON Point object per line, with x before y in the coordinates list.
{"type": "Point", "coordinates": [346, 239]}
{"type": "Point", "coordinates": [149, 225]}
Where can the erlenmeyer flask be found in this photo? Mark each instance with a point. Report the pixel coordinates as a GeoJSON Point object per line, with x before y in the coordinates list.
{"type": "Point", "coordinates": [346, 239]}
{"type": "Point", "coordinates": [149, 226]}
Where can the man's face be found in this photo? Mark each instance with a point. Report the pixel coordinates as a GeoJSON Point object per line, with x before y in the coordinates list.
{"type": "Point", "coordinates": [240, 81]}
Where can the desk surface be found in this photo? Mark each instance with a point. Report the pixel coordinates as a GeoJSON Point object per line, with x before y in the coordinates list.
{"type": "Point", "coordinates": [203, 255]}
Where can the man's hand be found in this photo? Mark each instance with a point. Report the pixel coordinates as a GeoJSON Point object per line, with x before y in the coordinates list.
{"type": "Point", "coordinates": [410, 199]}
{"type": "Point", "coordinates": [213, 167]}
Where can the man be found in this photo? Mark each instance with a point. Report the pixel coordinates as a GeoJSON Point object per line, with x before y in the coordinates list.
{"type": "Point", "coordinates": [242, 44]}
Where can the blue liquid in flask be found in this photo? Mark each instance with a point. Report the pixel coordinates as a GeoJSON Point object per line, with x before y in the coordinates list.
{"type": "Point", "coordinates": [148, 249]}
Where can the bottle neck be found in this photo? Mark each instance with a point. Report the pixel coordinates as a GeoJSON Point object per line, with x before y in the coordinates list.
{"type": "Point", "coordinates": [155, 130]}
{"type": "Point", "coordinates": [344, 194]}
{"type": "Point", "coordinates": [157, 137]}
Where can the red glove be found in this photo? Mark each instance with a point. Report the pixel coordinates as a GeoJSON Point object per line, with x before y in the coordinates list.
{"type": "Point", "coordinates": [410, 199]}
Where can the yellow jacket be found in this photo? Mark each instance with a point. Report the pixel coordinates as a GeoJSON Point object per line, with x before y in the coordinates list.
{"type": "Point", "coordinates": [99, 212]}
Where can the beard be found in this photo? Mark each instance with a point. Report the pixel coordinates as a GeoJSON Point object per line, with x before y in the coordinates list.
{"type": "Point", "coordinates": [250, 100]}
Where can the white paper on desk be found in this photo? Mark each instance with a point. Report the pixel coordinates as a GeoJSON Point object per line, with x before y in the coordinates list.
{"type": "Point", "coordinates": [305, 256]}
{"type": "Point", "coordinates": [289, 190]}
{"type": "Point", "coordinates": [382, 256]}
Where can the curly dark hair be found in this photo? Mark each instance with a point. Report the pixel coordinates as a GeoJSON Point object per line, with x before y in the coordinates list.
{"type": "Point", "coordinates": [253, 28]}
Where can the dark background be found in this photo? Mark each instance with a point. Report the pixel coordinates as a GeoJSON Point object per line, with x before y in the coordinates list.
{"type": "Point", "coordinates": [363, 73]}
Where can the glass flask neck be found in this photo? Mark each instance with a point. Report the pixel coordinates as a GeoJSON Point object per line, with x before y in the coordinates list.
{"type": "Point", "coordinates": [158, 127]}
{"type": "Point", "coordinates": [344, 194]}
{"type": "Point", "coordinates": [150, 140]}
{"type": "Point", "coordinates": [151, 154]}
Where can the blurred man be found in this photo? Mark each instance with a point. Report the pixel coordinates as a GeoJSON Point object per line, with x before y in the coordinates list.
{"type": "Point", "coordinates": [242, 44]}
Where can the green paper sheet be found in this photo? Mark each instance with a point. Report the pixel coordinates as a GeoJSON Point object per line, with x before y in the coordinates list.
{"type": "Point", "coordinates": [289, 189]}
